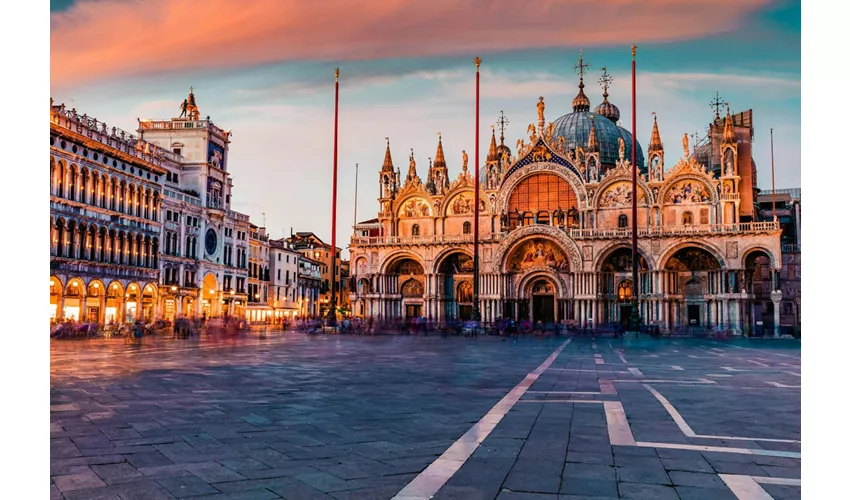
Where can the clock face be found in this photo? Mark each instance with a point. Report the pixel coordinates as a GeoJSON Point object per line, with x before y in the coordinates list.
{"type": "Point", "coordinates": [211, 241]}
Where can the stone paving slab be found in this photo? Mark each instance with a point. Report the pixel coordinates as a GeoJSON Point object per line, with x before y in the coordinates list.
{"type": "Point", "coordinates": [352, 418]}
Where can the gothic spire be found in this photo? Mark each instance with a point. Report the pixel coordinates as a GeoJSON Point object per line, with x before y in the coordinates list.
{"type": "Point", "coordinates": [728, 130]}
{"type": "Point", "coordinates": [655, 140]}
{"type": "Point", "coordinates": [388, 159]}
{"type": "Point", "coordinates": [592, 142]}
{"type": "Point", "coordinates": [440, 158]}
{"type": "Point", "coordinates": [493, 154]}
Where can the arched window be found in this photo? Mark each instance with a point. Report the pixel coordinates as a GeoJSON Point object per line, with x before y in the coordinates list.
{"type": "Point", "coordinates": [467, 228]}
{"type": "Point", "coordinates": [623, 221]}
{"type": "Point", "coordinates": [415, 230]}
{"type": "Point", "coordinates": [687, 219]}
{"type": "Point", "coordinates": [624, 291]}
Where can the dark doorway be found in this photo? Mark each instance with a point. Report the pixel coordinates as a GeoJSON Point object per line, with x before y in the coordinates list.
{"type": "Point", "coordinates": [544, 308]}
{"type": "Point", "coordinates": [465, 312]}
{"type": "Point", "coordinates": [625, 314]}
{"type": "Point", "coordinates": [413, 310]}
{"type": "Point", "coordinates": [693, 315]}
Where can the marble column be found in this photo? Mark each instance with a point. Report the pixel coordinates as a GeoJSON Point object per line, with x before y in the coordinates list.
{"type": "Point", "coordinates": [776, 297]}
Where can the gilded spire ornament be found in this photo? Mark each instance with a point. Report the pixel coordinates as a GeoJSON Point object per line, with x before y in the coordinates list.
{"type": "Point", "coordinates": [581, 102]}
{"type": "Point", "coordinates": [592, 142]}
{"type": "Point", "coordinates": [440, 161]}
{"type": "Point", "coordinates": [655, 139]}
{"type": "Point", "coordinates": [493, 153]}
{"type": "Point", "coordinates": [728, 130]}
{"type": "Point", "coordinates": [388, 159]}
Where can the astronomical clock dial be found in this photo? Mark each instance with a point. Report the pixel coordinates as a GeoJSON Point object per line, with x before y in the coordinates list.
{"type": "Point", "coordinates": [211, 241]}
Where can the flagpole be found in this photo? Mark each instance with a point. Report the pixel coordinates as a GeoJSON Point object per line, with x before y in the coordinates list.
{"type": "Point", "coordinates": [635, 315]}
{"type": "Point", "coordinates": [356, 175]}
{"type": "Point", "coordinates": [332, 305]}
{"type": "Point", "coordinates": [476, 312]}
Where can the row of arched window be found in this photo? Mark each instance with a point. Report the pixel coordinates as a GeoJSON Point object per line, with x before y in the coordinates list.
{"type": "Point", "coordinates": [101, 190]}
{"type": "Point", "coordinates": [467, 229]}
{"type": "Point", "coordinates": [687, 220]}
{"type": "Point", "coordinates": [90, 242]}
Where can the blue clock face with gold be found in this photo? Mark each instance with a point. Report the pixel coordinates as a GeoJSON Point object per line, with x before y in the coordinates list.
{"type": "Point", "coordinates": [211, 241]}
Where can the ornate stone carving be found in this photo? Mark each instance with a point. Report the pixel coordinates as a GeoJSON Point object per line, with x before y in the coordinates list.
{"type": "Point", "coordinates": [587, 253]}
{"type": "Point", "coordinates": [731, 249]}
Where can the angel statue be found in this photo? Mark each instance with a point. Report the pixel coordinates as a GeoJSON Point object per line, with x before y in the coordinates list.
{"type": "Point", "coordinates": [465, 160]}
{"type": "Point", "coordinates": [184, 108]}
{"type": "Point", "coordinates": [685, 145]}
{"type": "Point", "coordinates": [550, 130]}
{"type": "Point", "coordinates": [540, 107]}
{"type": "Point", "coordinates": [622, 148]}
{"type": "Point", "coordinates": [520, 144]}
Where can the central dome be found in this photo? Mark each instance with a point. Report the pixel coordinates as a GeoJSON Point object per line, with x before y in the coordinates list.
{"type": "Point", "coordinates": [575, 129]}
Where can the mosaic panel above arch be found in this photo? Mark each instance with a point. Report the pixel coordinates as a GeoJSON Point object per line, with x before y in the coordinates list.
{"type": "Point", "coordinates": [619, 194]}
{"type": "Point", "coordinates": [537, 252]}
{"type": "Point", "coordinates": [687, 191]}
{"type": "Point", "coordinates": [464, 203]}
{"type": "Point", "coordinates": [415, 207]}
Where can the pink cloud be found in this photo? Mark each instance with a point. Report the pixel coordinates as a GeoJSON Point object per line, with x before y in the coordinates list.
{"type": "Point", "coordinates": [98, 39]}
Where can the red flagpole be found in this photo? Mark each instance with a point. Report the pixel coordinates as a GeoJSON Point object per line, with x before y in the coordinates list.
{"type": "Point", "coordinates": [476, 312]}
{"type": "Point", "coordinates": [332, 308]}
{"type": "Point", "coordinates": [635, 316]}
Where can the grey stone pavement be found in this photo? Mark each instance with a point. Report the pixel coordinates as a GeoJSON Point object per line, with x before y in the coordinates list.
{"type": "Point", "coordinates": [340, 417]}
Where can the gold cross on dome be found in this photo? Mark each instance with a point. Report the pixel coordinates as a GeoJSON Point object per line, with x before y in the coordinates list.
{"type": "Point", "coordinates": [580, 66]}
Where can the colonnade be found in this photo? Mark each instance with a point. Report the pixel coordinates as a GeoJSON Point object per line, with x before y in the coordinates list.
{"type": "Point", "coordinates": [89, 242]}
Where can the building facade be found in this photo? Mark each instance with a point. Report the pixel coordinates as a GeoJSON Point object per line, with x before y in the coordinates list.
{"type": "Point", "coordinates": [204, 269]}
{"type": "Point", "coordinates": [788, 213]}
{"type": "Point", "coordinates": [555, 231]}
{"type": "Point", "coordinates": [283, 280]}
{"type": "Point", "coordinates": [105, 204]}
{"type": "Point", "coordinates": [259, 309]}
{"type": "Point", "coordinates": [309, 286]}
{"type": "Point", "coordinates": [313, 247]}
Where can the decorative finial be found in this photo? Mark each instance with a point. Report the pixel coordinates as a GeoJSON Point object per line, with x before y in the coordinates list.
{"type": "Point", "coordinates": [337, 74]}
{"type": "Point", "coordinates": [716, 104]}
{"type": "Point", "coordinates": [634, 51]}
{"type": "Point", "coordinates": [605, 81]}
{"type": "Point", "coordinates": [654, 116]}
{"type": "Point", "coordinates": [191, 90]}
{"type": "Point", "coordinates": [727, 109]}
{"type": "Point", "coordinates": [439, 137]}
{"type": "Point", "coordinates": [477, 63]}
{"type": "Point", "coordinates": [581, 66]}
{"type": "Point", "coordinates": [388, 141]}
{"type": "Point", "coordinates": [502, 122]}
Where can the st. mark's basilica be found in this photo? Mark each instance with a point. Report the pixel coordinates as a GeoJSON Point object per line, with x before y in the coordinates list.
{"type": "Point", "coordinates": [555, 230]}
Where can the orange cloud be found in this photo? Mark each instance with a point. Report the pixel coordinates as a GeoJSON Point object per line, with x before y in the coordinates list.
{"type": "Point", "coordinates": [98, 39]}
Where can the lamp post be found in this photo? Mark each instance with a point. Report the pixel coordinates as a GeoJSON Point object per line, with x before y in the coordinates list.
{"type": "Point", "coordinates": [634, 318]}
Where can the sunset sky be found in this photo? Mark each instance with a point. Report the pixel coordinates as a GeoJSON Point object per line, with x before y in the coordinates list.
{"type": "Point", "coordinates": [265, 69]}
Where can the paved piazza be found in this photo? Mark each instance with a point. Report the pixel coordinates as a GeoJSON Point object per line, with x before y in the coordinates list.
{"type": "Point", "coordinates": [425, 417]}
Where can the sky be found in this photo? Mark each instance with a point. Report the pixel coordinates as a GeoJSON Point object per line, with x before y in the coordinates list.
{"type": "Point", "coordinates": [265, 70]}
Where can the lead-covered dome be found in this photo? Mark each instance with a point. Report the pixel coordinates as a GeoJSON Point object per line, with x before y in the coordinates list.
{"type": "Point", "coordinates": [575, 129]}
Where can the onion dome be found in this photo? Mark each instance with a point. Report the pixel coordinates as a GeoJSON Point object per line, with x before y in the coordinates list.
{"type": "Point", "coordinates": [581, 103]}
{"type": "Point", "coordinates": [388, 159]}
{"type": "Point", "coordinates": [607, 109]}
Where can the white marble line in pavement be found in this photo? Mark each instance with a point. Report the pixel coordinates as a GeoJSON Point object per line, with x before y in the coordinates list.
{"type": "Point", "coordinates": [435, 476]}
{"type": "Point", "coordinates": [783, 386]}
{"type": "Point", "coordinates": [677, 367]}
{"type": "Point", "coordinates": [758, 363]}
{"type": "Point", "coordinates": [560, 401]}
{"type": "Point", "coordinates": [662, 381]}
{"type": "Point", "coordinates": [748, 488]}
{"type": "Point", "coordinates": [687, 431]}
{"type": "Point", "coordinates": [636, 372]}
{"type": "Point", "coordinates": [620, 354]}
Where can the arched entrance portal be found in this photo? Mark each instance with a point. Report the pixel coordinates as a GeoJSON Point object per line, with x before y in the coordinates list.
{"type": "Point", "coordinates": [758, 283]}
{"type": "Point", "coordinates": [692, 274]}
{"type": "Point", "coordinates": [406, 278]}
{"type": "Point", "coordinates": [542, 293]}
{"type": "Point", "coordinates": [617, 287]}
{"type": "Point", "coordinates": [412, 292]}
{"type": "Point", "coordinates": [454, 280]}
{"type": "Point", "coordinates": [55, 299]}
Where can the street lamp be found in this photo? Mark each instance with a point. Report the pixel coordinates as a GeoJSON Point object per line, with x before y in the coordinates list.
{"type": "Point", "coordinates": [173, 288]}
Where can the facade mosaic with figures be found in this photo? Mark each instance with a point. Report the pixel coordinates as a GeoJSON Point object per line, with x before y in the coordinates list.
{"type": "Point", "coordinates": [555, 230]}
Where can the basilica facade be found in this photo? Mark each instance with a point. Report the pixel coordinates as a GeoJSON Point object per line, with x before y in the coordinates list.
{"type": "Point", "coordinates": [555, 231]}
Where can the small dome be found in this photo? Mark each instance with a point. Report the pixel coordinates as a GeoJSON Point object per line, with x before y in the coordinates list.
{"type": "Point", "coordinates": [575, 129]}
{"type": "Point", "coordinates": [608, 110]}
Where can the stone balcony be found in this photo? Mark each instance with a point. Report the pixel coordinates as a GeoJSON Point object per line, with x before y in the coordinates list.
{"type": "Point", "coordinates": [102, 270]}
{"type": "Point", "coordinates": [579, 234]}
